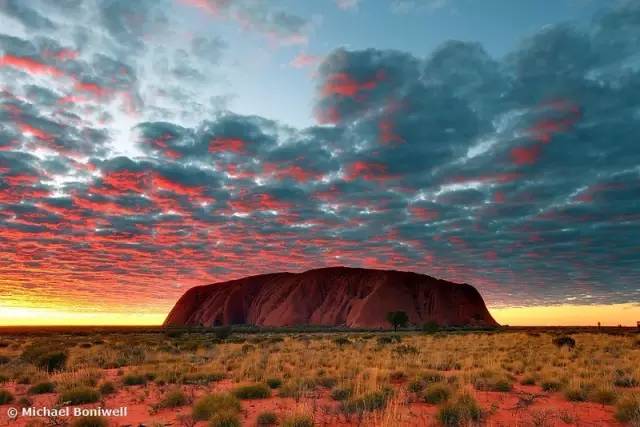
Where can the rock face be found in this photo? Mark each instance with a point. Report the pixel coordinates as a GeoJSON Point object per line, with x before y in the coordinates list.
{"type": "Point", "coordinates": [336, 296]}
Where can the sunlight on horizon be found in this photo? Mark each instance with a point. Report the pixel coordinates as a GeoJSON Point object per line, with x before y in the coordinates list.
{"type": "Point", "coordinates": [556, 315]}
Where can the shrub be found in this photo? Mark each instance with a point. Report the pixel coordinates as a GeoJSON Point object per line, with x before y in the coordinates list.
{"type": "Point", "coordinates": [174, 399]}
{"type": "Point", "coordinates": [222, 332]}
{"type": "Point", "coordinates": [528, 380]}
{"type": "Point", "coordinates": [397, 376]}
{"type": "Point", "coordinates": [44, 357]}
{"type": "Point", "coordinates": [327, 382]}
{"type": "Point", "coordinates": [491, 381]}
{"type": "Point", "coordinates": [367, 403]}
{"type": "Point", "coordinates": [626, 382]}
{"type": "Point", "coordinates": [107, 388]}
{"type": "Point", "coordinates": [429, 377]}
{"type": "Point", "coordinates": [4, 344]}
{"type": "Point", "coordinates": [4, 360]}
{"type": "Point", "coordinates": [134, 379]}
{"type": "Point", "coordinates": [6, 397]}
{"type": "Point", "coordinates": [202, 378]}
{"type": "Point", "coordinates": [340, 341]}
{"type": "Point", "coordinates": [298, 421]}
{"type": "Point", "coordinates": [274, 382]}
{"type": "Point", "coordinates": [90, 422]}
{"type": "Point", "coordinates": [430, 327]}
{"type": "Point", "coordinates": [211, 404]}
{"type": "Point", "coordinates": [340, 394]}
{"type": "Point", "coordinates": [42, 388]}
{"type": "Point", "coordinates": [461, 412]}
{"type": "Point", "coordinates": [436, 393]}
{"type": "Point", "coordinates": [604, 396]}
{"type": "Point", "coordinates": [389, 339]}
{"type": "Point", "coordinates": [415, 386]}
{"type": "Point", "coordinates": [225, 418]}
{"type": "Point", "coordinates": [79, 396]}
{"type": "Point", "coordinates": [253, 391]}
{"type": "Point", "coordinates": [576, 393]}
{"type": "Point", "coordinates": [551, 385]}
{"type": "Point", "coordinates": [628, 410]}
{"type": "Point", "coordinates": [564, 341]}
{"type": "Point", "coordinates": [404, 349]}
{"type": "Point", "coordinates": [267, 419]}
{"type": "Point", "coordinates": [397, 319]}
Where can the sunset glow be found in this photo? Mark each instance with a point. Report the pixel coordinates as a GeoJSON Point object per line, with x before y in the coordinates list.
{"type": "Point", "coordinates": [148, 147]}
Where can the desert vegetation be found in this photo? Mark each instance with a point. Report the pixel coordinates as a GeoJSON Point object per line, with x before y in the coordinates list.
{"type": "Point", "coordinates": [222, 377]}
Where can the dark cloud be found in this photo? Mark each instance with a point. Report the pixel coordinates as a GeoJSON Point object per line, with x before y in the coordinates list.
{"type": "Point", "coordinates": [31, 19]}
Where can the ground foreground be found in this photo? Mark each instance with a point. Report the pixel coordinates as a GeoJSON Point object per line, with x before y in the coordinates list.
{"type": "Point", "coordinates": [178, 378]}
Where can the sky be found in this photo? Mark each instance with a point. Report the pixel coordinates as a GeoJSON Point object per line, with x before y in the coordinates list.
{"type": "Point", "coordinates": [147, 147]}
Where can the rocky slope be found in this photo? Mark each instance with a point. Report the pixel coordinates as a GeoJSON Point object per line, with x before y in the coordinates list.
{"type": "Point", "coordinates": [336, 296]}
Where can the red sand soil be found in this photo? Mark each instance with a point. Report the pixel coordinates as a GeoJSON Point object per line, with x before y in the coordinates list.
{"type": "Point", "coordinates": [514, 408]}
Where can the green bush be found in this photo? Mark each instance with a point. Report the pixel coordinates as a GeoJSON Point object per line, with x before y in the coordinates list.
{"type": "Point", "coordinates": [436, 393]}
{"type": "Point", "coordinates": [298, 421]}
{"type": "Point", "coordinates": [415, 386]}
{"type": "Point", "coordinates": [604, 396]}
{"type": "Point", "coordinates": [212, 404]}
{"type": "Point", "coordinates": [202, 378]}
{"type": "Point", "coordinates": [90, 422]}
{"type": "Point", "coordinates": [327, 382]}
{"type": "Point", "coordinates": [4, 360]}
{"type": "Point", "coordinates": [431, 327]}
{"type": "Point", "coordinates": [274, 382]}
{"type": "Point", "coordinates": [253, 391]}
{"type": "Point", "coordinates": [491, 381]}
{"type": "Point", "coordinates": [389, 339]}
{"type": "Point", "coordinates": [577, 393]}
{"type": "Point", "coordinates": [564, 341]}
{"type": "Point", "coordinates": [367, 403]}
{"type": "Point", "coordinates": [551, 385]}
{"type": "Point", "coordinates": [528, 380]}
{"type": "Point", "coordinates": [42, 388]}
{"type": "Point", "coordinates": [134, 379]}
{"type": "Point", "coordinates": [628, 410]}
{"type": "Point", "coordinates": [625, 381]}
{"type": "Point", "coordinates": [79, 396]}
{"type": "Point", "coordinates": [107, 388]}
{"type": "Point", "coordinates": [461, 412]}
{"type": "Point", "coordinates": [267, 419]}
{"type": "Point", "coordinates": [341, 341]}
{"type": "Point", "coordinates": [223, 332]}
{"type": "Point", "coordinates": [6, 397]}
{"type": "Point", "coordinates": [225, 418]}
{"type": "Point", "coordinates": [174, 399]}
{"type": "Point", "coordinates": [45, 358]}
{"type": "Point", "coordinates": [340, 394]}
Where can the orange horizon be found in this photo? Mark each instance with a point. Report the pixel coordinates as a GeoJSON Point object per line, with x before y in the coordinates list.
{"type": "Point", "coordinates": [626, 314]}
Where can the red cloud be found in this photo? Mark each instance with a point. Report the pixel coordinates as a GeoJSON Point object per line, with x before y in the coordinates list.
{"type": "Point", "coordinates": [367, 171]}
{"type": "Point", "coordinates": [525, 155]}
{"type": "Point", "coordinates": [220, 145]}
{"type": "Point", "coordinates": [343, 84]}
{"type": "Point", "coordinates": [423, 213]}
{"type": "Point", "coordinates": [303, 60]}
{"type": "Point", "coordinates": [29, 65]}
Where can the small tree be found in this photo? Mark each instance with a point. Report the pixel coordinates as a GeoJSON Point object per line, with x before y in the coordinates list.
{"type": "Point", "coordinates": [397, 319]}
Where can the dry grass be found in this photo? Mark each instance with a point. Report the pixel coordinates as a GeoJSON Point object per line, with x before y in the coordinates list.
{"type": "Point", "coordinates": [371, 376]}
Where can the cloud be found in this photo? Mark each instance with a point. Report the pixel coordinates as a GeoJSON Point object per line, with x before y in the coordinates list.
{"type": "Point", "coordinates": [347, 4]}
{"type": "Point", "coordinates": [517, 174]}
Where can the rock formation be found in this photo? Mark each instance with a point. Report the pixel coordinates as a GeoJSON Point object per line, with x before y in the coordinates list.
{"type": "Point", "coordinates": [335, 296]}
